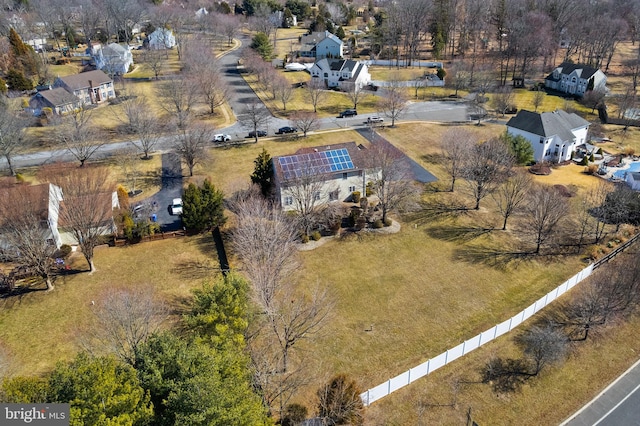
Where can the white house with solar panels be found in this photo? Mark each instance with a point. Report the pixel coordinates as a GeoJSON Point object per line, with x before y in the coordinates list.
{"type": "Point", "coordinates": [333, 172]}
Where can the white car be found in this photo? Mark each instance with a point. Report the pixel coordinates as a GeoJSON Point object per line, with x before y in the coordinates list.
{"type": "Point", "coordinates": [374, 120]}
{"type": "Point", "coordinates": [221, 138]}
{"type": "Point", "coordinates": [176, 206]}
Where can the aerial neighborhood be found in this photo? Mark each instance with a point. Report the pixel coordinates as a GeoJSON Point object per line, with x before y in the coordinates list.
{"type": "Point", "coordinates": [321, 212]}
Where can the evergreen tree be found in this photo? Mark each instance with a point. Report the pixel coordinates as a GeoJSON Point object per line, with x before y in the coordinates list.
{"type": "Point", "coordinates": [101, 390]}
{"type": "Point", "coordinates": [263, 172]}
{"type": "Point", "coordinates": [202, 208]}
{"type": "Point", "coordinates": [519, 147]}
{"type": "Point", "coordinates": [287, 18]}
{"type": "Point", "coordinates": [192, 208]}
{"type": "Point", "coordinates": [16, 80]}
{"type": "Point", "coordinates": [23, 54]}
{"type": "Point", "coordinates": [340, 33]}
{"type": "Point", "coordinates": [261, 44]}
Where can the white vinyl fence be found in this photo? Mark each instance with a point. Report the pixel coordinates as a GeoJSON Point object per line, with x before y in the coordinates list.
{"type": "Point", "coordinates": [475, 342]}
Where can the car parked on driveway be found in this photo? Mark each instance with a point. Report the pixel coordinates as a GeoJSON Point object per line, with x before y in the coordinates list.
{"type": "Point", "coordinates": [221, 138]}
{"type": "Point", "coordinates": [261, 133]}
{"type": "Point", "coordinates": [348, 113]}
{"type": "Point", "coordinates": [176, 207]}
{"type": "Point", "coordinates": [286, 129]}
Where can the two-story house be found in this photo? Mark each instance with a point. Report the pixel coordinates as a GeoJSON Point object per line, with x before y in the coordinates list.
{"type": "Point", "coordinates": [331, 173]}
{"type": "Point", "coordinates": [321, 44]}
{"type": "Point", "coordinates": [575, 79]}
{"type": "Point", "coordinates": [161, 38]}
{"type": "Point", "coordinates": [113, 58]}
{"type": "Point", "coordinates": [341, 72]}
{"type": "Point", "coordinates": [91, 87]}
{"type": "Point", "coordinates": [554, 136]}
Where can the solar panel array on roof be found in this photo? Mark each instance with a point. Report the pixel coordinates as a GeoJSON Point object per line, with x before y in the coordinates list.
{"type": "Point", "coordinates": [315, 163]}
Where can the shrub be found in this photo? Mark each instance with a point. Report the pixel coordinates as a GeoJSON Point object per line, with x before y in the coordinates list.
{"type": "Point", "coordinates": [369, 189]}
{"type": "Point", "coordinates": [355, 197]}
{"type": "Point", "coordinates": [388, 222]}
{"type": "Point", "coordinates": [591, 169]}
{"type": "Point", "coordinates": [123, 197]}
{"type": "Point", "coordinates": [315, 235]}
{"type": "Point", "coordinates": [599, 151]}
{"type": "Point", "coordinates": [294, 414]}
{"type": "Point", "coordinates": [629, 151]}
{"type": "Point", "coordinates": [20, 178]}
{"type": "Point", "coordinates": [378, 224]}
{"type": "Point", "coordinates": [441, 73]}
{"type": "Point", "coordinates": [591, 158]}
{"type": "Point", "coordinates": [3, 86]}
{"type": "Point", "coordinates": [65, 250]}
{"type": "Point", "coordinates": [584, 161]}
{"type": "Point", "coordinates": [304, 238]}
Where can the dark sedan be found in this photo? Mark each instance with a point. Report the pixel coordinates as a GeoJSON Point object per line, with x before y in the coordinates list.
{"type": "Point", "coordinates": [286, 129]}
{"type": "Point", "coordinates": [261, 133]}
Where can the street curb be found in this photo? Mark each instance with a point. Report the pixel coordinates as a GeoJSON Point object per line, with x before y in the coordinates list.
{"type": "Point", "coordinates": [588, 404]}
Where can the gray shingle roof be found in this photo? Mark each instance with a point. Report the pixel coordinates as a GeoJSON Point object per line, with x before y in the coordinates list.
{"type": "Point", "coordinates": [57, 97]}
{"type": "Point", "coordinates": [566, 68]}
{"type": "Point", "coordinates": [548, 124]}
{"type": "Point", "coordinates": [81, 81]}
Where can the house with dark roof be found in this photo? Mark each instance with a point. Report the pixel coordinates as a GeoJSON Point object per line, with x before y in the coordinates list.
{"type": "Point", "coordinates": [319, 175]}
{"type": "Point", "coordinates": [91, 87]}
{"type": "Point", "coordinates": [341, 72]}
{"type": "Point", "coordinates": [321, 44]}
{"type": "Point", "coordinates": [59, 100]}
{"type": "Point", "coordinates": [575, 79]}
{"type": "Point", "coordinates": [43, 200]}
{"type": "Point", "coordinates": [554, 136]}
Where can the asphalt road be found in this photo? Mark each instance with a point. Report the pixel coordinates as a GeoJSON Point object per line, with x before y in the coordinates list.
{"type": "Point", "coordinates": [616, 405]}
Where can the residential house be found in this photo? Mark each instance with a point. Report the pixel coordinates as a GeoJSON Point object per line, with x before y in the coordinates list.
{"type": "Point", "coordinates": [161, 38]}
{"type": "Point", "coordinates": [339, 72]}
{"type": "Point", "coordinates": [59, 100]}
{"type": "Point", "coordinates": [575, 79]}
{"type": "Point", "coordinates": [113, 59]}
{"type": "Point", "coordinates": [554, 136]}
{"type": "Point", "coordinates": [91, 87]}
{"type": "Point", "coordinates": [321, 45]}
{"type": "Point", "coordinates": [38, 43]}
{"type": "Point", "coordinates": [44, 199]}
{"type": "Point", "coordinates": [105, 204]}
{"type": "Point", "coordinates": [633, 180]}
{"type": "Point", "coordinates": [331, 172]}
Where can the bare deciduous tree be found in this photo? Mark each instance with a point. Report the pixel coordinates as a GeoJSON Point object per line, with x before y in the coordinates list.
{"type": "Point", "coordinates": [486, 165]}
{"type": "Point", "coordinates": [502, 99]}
{"type": "Point", "coordinates": [283, 91]}
{"type": "Point", "coordinates": [456, 144]}
{"type": "Point", "coordinates": [511, 195]}
{"type": "Point", "coordinates": [123, 319]}
{"type": "Point", "coordinates": [79, 136]}
{"type": "Point", "coordinates": [256, 116]}
{"type": "Point", "coordinates": [178, 97]}
{"type": "Point", "coordinates": [394, 101]}
{"type": "Point", "coordinates": [543, 346]}
{"type": "Point", "coordinates": [12, 138]}
{"type": "Point", "coordinates": [339, 402]}
{"type": "Point", "coordinates": [538, 98]}
{"type": "Point", "coordinates": [154, 61]}
{"type": "Point", "coordinates": [316, 92]}
{"type": "Point", "coordinates": [355, 93]}
{"type": "Point", "coordinates": [141, 121]}
{"type": "Point", "coordinates": [392, 178]}
{"type": "Point", "coordinates": [545, 208]}
{"type": "Point", "coordinates": [26, 239]}
{"type": "Point", "coordinates": [305, 121]}
{"type": "Point", "coordinates": [204, 69]}
{"type": "Point", "coordinates": [87, 210]}
{"type": "Point", "coordinates": [190, 143]}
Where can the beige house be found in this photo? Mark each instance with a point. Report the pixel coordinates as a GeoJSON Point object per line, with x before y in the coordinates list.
{"type": "Point", "coordinates": [91, 87]}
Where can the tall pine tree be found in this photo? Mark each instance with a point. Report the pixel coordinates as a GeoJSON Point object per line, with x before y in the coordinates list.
{"type": "Point", "coordinates": [263, 172]}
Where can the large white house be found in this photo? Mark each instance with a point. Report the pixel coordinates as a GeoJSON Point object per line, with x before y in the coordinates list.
{"type": "Point", "coordinates": [340, 72]}
{"type": "Point", "coordinates": [161, 38]}
{"type": "Point", "coordinates": [575, 79]}
{"type": "Point", "coordinates": [554, 136]}
{"type": "Point", "coordinates": [321, 44]}
{"type": "Point", "coordinates": [325, 173]}
{"type": "Point", "coordinates": [91, 87]}
{"type": "Point", "coordinates": [113, 58]}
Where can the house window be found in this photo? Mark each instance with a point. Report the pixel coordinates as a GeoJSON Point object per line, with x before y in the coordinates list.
{"type": "Point", "coordinates": [352, 188]}
{"type": "Point", "coordinates": [333, 195]}
{"type": "Point", "coordinates": [288, 200]}
{"type": "Point", "coordinates": [541, 140]}
{"type": "Point", "coordinates": [316, 196]}
{"type": "Point", "coordinates": [326, 75]}
{"type": "Point", "coordinates": [344, 175]}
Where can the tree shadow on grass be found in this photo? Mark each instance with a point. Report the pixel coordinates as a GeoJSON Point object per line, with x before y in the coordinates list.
{"type": "Point", "coordinates": [458, 233]}
{"type": "Point", "coordinates": [491, 256]}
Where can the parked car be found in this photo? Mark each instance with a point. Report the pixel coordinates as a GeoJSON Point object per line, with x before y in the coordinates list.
{"type": "Point", "coordinates": [286, 129]}
{"type": "Point", "coordinates": [176, 207]}
{"type": "Point", "coordinates": [221, 138]}
{"type": "Point", "coordinates": [261, 133]}
{"type": "Point", "coordinates": [374, 120]}
{"type": "Point", "coordinates": [348, 113]}
{"type": "Point", "coordinates": [371, 87]}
